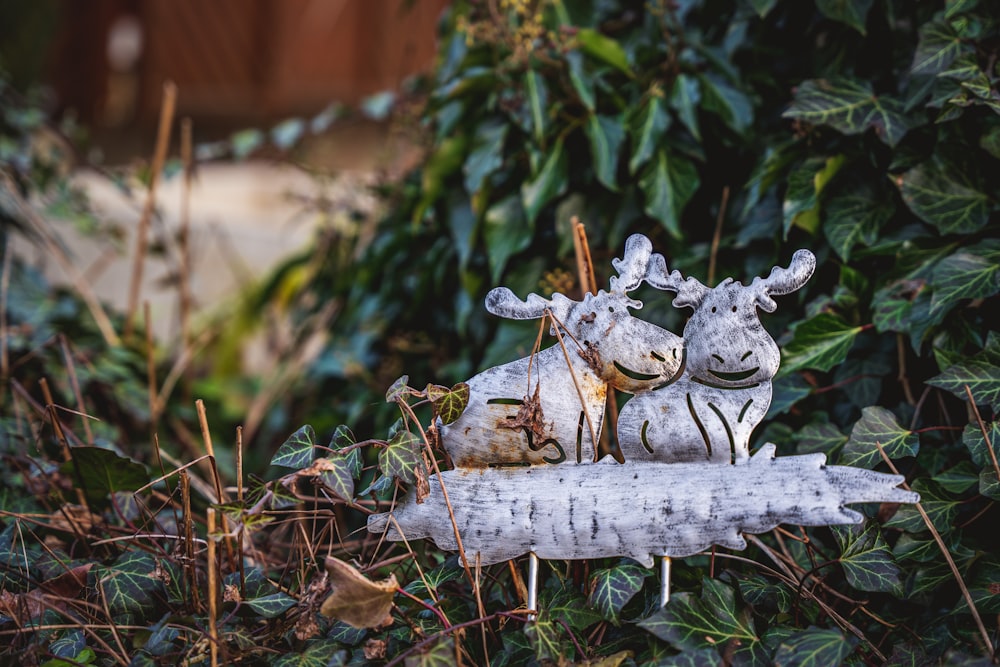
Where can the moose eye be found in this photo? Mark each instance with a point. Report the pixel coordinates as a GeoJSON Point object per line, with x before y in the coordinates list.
{"type": "Point", "coordinates": [713, 309]}
{"type": "Point", "coordinates": [610, 309]}
{"type": "Point", "coordinates": [734, 309]}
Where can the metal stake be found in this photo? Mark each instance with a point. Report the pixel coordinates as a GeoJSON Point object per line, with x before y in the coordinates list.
{"type": "Point", "coordinates": [664, 580]}
{"type": "Point", "coordinates": [532, 584]}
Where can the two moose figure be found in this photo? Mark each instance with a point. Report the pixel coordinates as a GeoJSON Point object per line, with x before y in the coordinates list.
{"type": "Point", "coordinates": [695, 399]}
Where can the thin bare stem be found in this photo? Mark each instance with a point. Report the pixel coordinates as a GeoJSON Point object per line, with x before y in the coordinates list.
{"type": "Point", "coordinates": [717, 236]}
{"type": "Point", "coordinates": [142, 233]}
{"type": "Point", "coordinates": [213, 585]}
{"type": "Point", "coordinates": [154, 416]}
{"type": "Point", "coordinates": [987, 643]}
{"type": "Point", "coordinates": [576, 384]}
{"type": "Point", "coordinates": [74, 384]}
{"type": "Point", "coordinates": [184, 284]}
{"type": "Point", "coordinates": [982, 427]}
{"type": "Point", "coordinates": [4, 288]}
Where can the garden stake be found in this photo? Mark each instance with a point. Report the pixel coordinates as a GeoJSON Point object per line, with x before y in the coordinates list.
{"type": "Point", "coordinates": [529, 478]}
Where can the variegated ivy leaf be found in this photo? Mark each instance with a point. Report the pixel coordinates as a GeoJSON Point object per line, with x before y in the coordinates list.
{"type": "Point", "coordinates": [821, 343]}
{"type": "Point", "coordinates": [877, 425]}
{"type": "Point", "coordinates": [867, 560]}
{"type": "Point", "coordinates": [342, 438]}
{"type": "Point", "coordinates": [814, 647]}
{"type": "Point", "coordinates": [398, 390]}
{"type": "Point", "coordinates": [964, 275]}
{"type": "Point", "coordinates": [691, 623]}
{"type": "Point", "coordinates": [936, 195]}
{"type": "Point", "coordinates": [298, 451]}
{"type": "Point", "coordinates": [449, 404]}
{"type": "Point", "coordinates": [611, 589]}
{"type": "Point", "coordinates": [401, 456]}
{"type": "Point", "coordinates": [130, 585]}
{"type": "Point", "coordinates": [318, 653]}
{"type": "Point", "coordinates": [849, 106]}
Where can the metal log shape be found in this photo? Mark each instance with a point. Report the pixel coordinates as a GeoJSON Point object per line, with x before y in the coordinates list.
{"type": "Point", "coordinates": [640, 510]}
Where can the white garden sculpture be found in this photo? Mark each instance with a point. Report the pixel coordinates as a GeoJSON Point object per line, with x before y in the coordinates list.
{"type": "Point", "coordinates": [526, 478]}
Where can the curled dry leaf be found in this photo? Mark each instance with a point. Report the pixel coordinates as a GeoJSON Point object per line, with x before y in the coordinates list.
{"type": "Point", "coordinates": [356, 599]}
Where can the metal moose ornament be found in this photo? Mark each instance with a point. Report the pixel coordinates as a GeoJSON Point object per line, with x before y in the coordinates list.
{"type": "Point", "coordinates": [527, 478]}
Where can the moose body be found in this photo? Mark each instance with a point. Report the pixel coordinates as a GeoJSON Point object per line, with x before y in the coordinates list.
{"type": "Point", "coordinates": [709, 413]}
{"type": "Point", "coordinates": [549, 408]}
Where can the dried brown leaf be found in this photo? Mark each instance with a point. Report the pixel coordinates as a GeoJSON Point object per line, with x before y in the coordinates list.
{"type": "Point", "coordinates": [357, 600]}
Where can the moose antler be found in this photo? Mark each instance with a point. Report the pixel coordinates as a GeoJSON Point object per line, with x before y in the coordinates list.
{"type": "Point", "coordinates": [784, 281]}
{"type": "Point", "coordinates": [632, 267]}
{"type": "Point", "coordinates": [690, 292]}
{"type": "Point", "coordinates": [503, 303]}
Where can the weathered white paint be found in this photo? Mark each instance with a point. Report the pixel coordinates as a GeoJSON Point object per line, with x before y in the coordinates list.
{"type": "Point", "coordinates": [604, 346]}
{"type": "Point", "coordinates": [640, 510]}
{"type": "Point", "coordinates": [709, 413]}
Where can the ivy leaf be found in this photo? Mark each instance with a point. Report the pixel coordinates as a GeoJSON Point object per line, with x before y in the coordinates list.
{"type": "Point", "coordinates": [690, 623]}
{"type": "Point", "coordinates": [937, 198]}
{"type": "Point", "coordinates": [611, 589]}
{"type": "Point", "coordinates": [801, 205]}
{"type": "Point", "coordinates": [298, 450]}
{"type": "Point", "coordinates": [982, 376]}
{"type": "Point", "coordinates": [668, 182]}
{"type": "Point", "coordinates": [342, 438]}
{"type": "Point", "coordinates": [763, 7]}
{"type": "Point", "coordinates": [547, 184]}
{"type": "Point", "coordinates": [849, 12]}
{"type": "Point", "coordinates": [336, 474]}
{"type": "Point", "coordinates": [605, 134]}
{"type": "Point", "coordinates": [398, 390]}
{"type": "Point", "coordinates": [786, 391]}
{"type": "Point", "coordinates": [355, 599]}
{"type": "Point", "coordinates": [867, 560]}
{"type": "Point", "coordinates": [821, 437]}
{"type": "Point", "coordinates": [938, 47]}
{"type": "Point", "coordinates": [538, 102]}
{"type": "Point", "coordinates": [821, 342]}
{"type": "Point", "coordinates": [130, 586]}
{"type": "Point", "coordinates": [693, 658]}
{"type": "Point", "coordinates": [731, 105]}
{"type": "Point", "coordinates": [401, 456]}
{"type": "Point", "coordinates": [569, 606]}
{"type": "Point", "coordinates": [989, 485]}
{"type": "Point", "coordinates": [685, 97]}
{"type": "Point", "coordinates": [449, 404]}
{"type": "Point", "coordinates": [973, 439]}
{"type": "Point", "coordinates": [583, 82]}
{"type": "Point", "coordinates": [646, 129]}
{"type": "Point", "coordinates": [850, 107]}
{"type": "Point", "coordinates": [101, 472]}
{"type": "Point", "coordinates": [440, 654]}
{"type": "Point", "coordinates": [319, 653]}
{"type": "Point", "coordinates": [964, 275]}
{"type": "Point", "coordinates": [940, 509]}
{"type": "Point", "coordinates": [486, 155]}
{"type": "Point", "coordinates": [548, 638]}
{"type": "Point", "coordinates": [506, 231]}
{"type": "Point", "coordinates": [271, 606]}
{"type": "Point", "coordinates": [602, 48]}
{"type": "Point", "coordinates": [815, 647]}
{"type": "Point", "coordinates": [958, 478]}
{"type": "Point", "coordinates": [855, 218]}
{"type": "Point", "coordinates": [877, 425]}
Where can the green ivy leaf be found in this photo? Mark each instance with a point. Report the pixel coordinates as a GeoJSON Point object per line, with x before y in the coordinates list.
{"type": "Point", "coordinates": [548, 638]}
{"type": "Point", "coordinates": [298, 450]}
{"type": "Point", "coordinates": [973, 439]}
{"type": "Point", "coordinates": [867, 560]}
{"type": "Point", "coordinates": [271, 606]}
{"type": "Point", "coordinates": [822, 437]}
{"type": "Point", "coordinates": [939, 45]}
{"type": "Point", "coordinates": [850, 107]}
{"type": "Point", "coordinates": [668, 183]}
{"type": "Point", "coordinates": [538, 102]}
{"type": "Point", "coordinates": [130, 586]}
{"type": "Point", "coordinates": [506, 231]}
{"type": "Point", "coordinates": [853, 13]}
{"type": "Point", "coordinates": [398, 390]}
{"type": "Point", "coordinates": [602, 48]}
{"type": "Point", "coordinates": [690, 623]}
{"type": "Point", "coordinates": [646, 128]}
{"type": "Point", "coordinates": [727, 102]}
{"type": "Point", "coordinates": [805, 184]}
{"type": "Point", "coordinates": [982, 376]}
{"type": "Point", "coordinates": [337, 474]}
{"type": "Point", "coordinates": [486, 155]}
{"type": "Point", "coordinates": [440, 654]}
{"type": "Point", "coordinates": [786, 391]}
{"type": "Point", "coordinates": [685, 97]}
{"type": "Point", "coordinates": [342, 438]}
{"type": "Point", "coordinates": [611, 589]}
{"type": "Point", "coordinates": [447, 571]}
{"type": "Point", "coordinates": [568, 605]}
{"type": "Point", "coordinates": [814, 647]}
{"type": "Point", "coordinates": [936, 196]}
{"type": "Point", "coordinates": [877, 425]}
{"type": "Point", "coordinates": [964, 275]}
{"type": "Point", "coordinates": [605, 134]}
{"type": "Point", "coordinates": [855, 218]}
{"type": "Point", "coordinates": [401, 456]}
{"type": "Point", "coordinates": [583, 81]}
{"type": "Point", "coordinates": [989, 485]}
{"type": "Point", "coordinates": [693, 658]}
{"type": "Point", "coordinates": [101, 472]}
{"type": "Point", "coordinates": [547, 184]}
{"type": "Point", "coordinates": [958, 478]}
{"type": "Point", "coordinates": [319, 653]}
{"type": "Point", "coordinates": [449, 404]}
{"type": "Point", "coordinates": [821, 342]}
{"type": "Point", "coordinates": [940, 509]}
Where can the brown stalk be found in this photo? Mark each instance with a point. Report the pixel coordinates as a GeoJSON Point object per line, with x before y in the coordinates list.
{"type": "Point", "coordinates": [239, 497]}
{"type": "Point", "coordinates": [184, 285]}
{"type": "Point", "coordinates": [142, 234]}
{"type": "Point", "coordinates": [717, 236]}
{"type": "Point", "coordinates": [50, 406]}
{"type": "Point", "coordinates": [9, 190]}
{"type": "Point", "coordinates": [123, 658]}
{"type": "Point", "coordinates": [982, 427]}
{"type": "Point", "coordinates": [579, 392]}
{"type": "Point", "coordinates": [154, 416]}
{"type": "Point", "coordinates": [187, 520]}
{"type": "Point", "coordinates": [74, 383]}
{"type": "Point", "coordinates": [213, 584]}
{"type": "Point", "coordinates": [584, 262]}
{"type": "Point", "coordinates": [4, 288]}
{"type": "Point", "coordinates": [947, 556]}
{"type": "Point", "coordinates": [220, 494]}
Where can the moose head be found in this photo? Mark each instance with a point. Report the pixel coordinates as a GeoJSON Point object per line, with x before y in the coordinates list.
{"type": "Point", "coordinates": [725, 342]}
